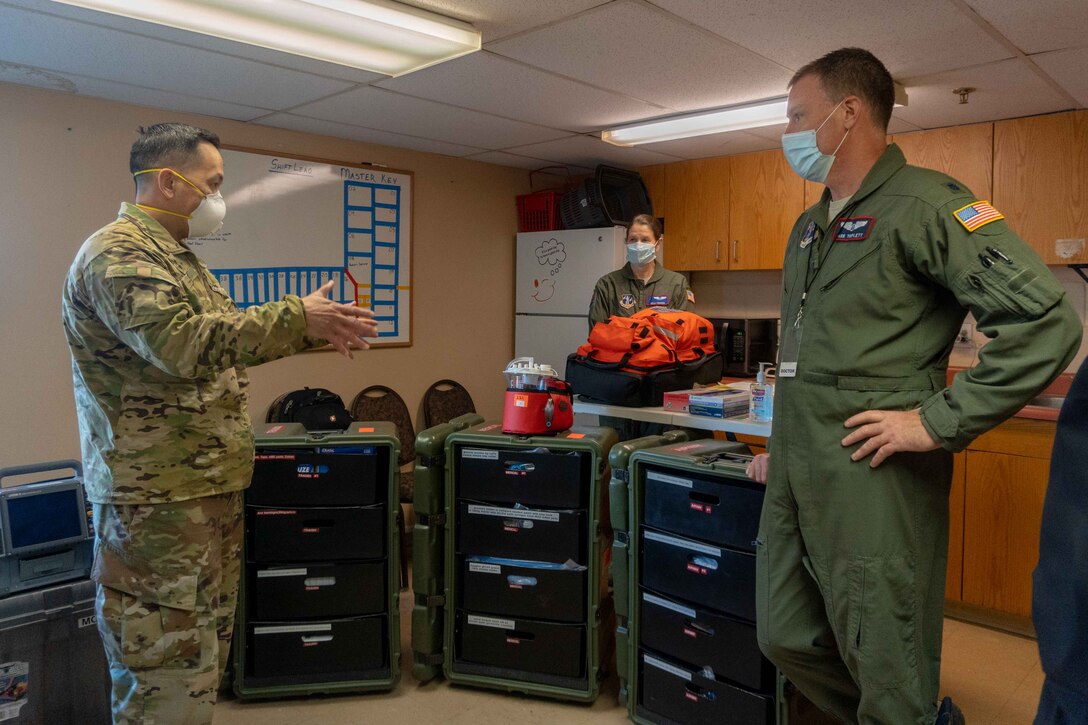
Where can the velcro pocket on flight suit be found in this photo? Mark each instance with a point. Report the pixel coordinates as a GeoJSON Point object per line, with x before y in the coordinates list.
{"type": "Point", "coordinates": [892, 393]}
{"type": "Point", "coordinates": [151, 609]}
{"type": "Point", "coordinates": [881, 622]}
{"type": "Point", "coordinates": [1011, 288]}
{"type": "Point", "coordinates": [142, 293]}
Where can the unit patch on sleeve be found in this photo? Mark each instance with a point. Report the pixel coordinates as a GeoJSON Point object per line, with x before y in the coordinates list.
{"type": "Point", "coordinates": [691, 297]}
{"type": "Point", "coordinates": [627, 301]}
{"type": "Point", "coordinates": [977, 215]}
{"type": "Point", "coordinates": [854, 230]}
{"type": "Point", "coordinates": [658, 301]}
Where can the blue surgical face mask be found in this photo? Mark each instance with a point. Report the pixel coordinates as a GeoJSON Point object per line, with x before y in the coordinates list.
{"type": "Point", "coordinates": [641, 253]}
{"type": "Point", "coordinates": [804, 155]}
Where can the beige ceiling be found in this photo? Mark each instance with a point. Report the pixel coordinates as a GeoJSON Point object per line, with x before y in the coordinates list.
{"type": "Point", "coordinates": [553, 73]}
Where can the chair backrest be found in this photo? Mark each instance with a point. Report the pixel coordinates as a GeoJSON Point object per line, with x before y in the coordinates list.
{"type": "Point", "coordinates": [444, 401]}
{"type": "Point", "coordinates": [378, 402]}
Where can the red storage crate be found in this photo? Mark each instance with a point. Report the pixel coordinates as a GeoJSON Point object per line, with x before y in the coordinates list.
{"type": "Point", "coordinates": [539, 211]}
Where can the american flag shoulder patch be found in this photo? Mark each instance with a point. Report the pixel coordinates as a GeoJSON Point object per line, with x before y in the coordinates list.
{"type": "Point", "coordinates": [977, 214]}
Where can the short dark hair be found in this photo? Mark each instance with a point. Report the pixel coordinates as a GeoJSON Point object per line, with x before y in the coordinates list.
{"type": "Point", "coordinates": [647, 220]}
{"type": "Point", "coordinates": [167, 144]}
{"type": "Point", "coordinates": [854, 72]}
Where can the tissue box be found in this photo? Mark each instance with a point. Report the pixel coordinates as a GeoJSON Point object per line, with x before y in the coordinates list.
{"type": "Point", "coordinates": [719, 403]}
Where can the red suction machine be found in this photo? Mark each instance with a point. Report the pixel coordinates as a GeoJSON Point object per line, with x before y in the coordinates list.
{"type": "Point", "coordinates": [537, 401]}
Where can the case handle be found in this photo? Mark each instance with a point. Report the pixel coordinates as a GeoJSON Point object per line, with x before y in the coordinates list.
{"type": "Point", "coordinates": [59, 465]}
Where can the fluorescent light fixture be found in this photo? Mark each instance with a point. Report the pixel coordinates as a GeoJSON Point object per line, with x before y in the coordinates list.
{"type": "Point", "coordinates": [733, 118]}
{"type": "Point", "coordinates": [375, 35]}
{"type": "Point", "coordinates": [768, 112]}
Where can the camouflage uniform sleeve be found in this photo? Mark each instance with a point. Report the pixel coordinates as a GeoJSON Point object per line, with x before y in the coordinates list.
{"type": "Point", "coordinates": [599, 307]}
{"type": "Point", "coordinates": [146, 308]}
{"type": "Point", "coordinates": [1017, 303]}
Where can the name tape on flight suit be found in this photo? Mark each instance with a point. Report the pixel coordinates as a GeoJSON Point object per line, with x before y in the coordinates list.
{"type": "Point", "coordinates": [854, 230]}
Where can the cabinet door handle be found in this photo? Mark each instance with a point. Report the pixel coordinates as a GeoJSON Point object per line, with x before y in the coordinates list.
{"type": "Point", "coordinates": [718, 251]}
{"type": "Point", "coordinates": [735, 250]}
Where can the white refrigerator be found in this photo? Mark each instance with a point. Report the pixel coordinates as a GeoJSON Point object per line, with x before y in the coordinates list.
{"type": "Point", "coordinates": [556, 274]}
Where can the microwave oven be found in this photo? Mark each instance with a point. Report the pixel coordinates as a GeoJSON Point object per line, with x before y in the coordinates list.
{"type": "Point", "coordinates": [746, 342]}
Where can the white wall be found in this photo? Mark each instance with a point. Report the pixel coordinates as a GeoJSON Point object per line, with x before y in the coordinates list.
{"type": "Point", "coordinates": [64, 164]}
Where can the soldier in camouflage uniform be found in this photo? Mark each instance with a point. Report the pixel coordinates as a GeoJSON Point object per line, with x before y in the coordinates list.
{"type": "Point", "coordinates": [159, 358]}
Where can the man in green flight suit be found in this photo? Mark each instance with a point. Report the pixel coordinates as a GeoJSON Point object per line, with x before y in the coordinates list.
{"type": "Point", "coordinates": [159, 358]}
{"type": "Point", "coordinates": [878, 277]}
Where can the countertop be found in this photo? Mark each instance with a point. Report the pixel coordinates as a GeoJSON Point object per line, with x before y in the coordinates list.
{"type": "Point", "coordinates": [1053, 396]}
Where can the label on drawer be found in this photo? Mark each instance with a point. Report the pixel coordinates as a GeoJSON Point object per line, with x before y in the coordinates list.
{"type": "Point", "coordinates": [683, 543]}
{"type": "Point", "coordinates": [651, 599]}
{"type": "Point", "coordinates": [480, 454]}
{"type": "Point", "coordinates": [655, 476]}
{"type": "Point", "coordinates": [493, 622]}
{"type": "Point", "coordinates": [655, 662]}
{"type": "Point", "coordinates": [265, 573]}
{"type": "Point", "coordinates": [292, 628]}
{"type": "Point", "coordinates": [514, 513]}
{"type": "Point", "coordinates": [484, 568]}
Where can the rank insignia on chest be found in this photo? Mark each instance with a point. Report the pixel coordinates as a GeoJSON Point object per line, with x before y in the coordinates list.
{"type": "Point", "coordinates": [658, 301]}
{"type": "Point", "coordinates": [854, 230]}
{"type": "Point", "coordinates": [627, 301]}
{"type": "Point", "coordinates": [809, 235]}
{"type": "Point", "coordinates": [976, 215]}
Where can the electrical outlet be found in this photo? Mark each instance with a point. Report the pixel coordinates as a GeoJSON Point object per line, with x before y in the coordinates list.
{"type": "Point", "coordinates": [966, 336]}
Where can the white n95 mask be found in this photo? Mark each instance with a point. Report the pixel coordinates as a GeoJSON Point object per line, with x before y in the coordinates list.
{"type": "Point", "coordinates": [208, 217]}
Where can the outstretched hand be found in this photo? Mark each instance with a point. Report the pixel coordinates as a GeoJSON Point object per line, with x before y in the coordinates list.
{"type": "Point", "coordinates": [886, 432]}
{"type": "Point", "coordinates": [344, 326]}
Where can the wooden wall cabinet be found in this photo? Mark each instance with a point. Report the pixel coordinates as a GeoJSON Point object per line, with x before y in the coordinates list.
{"type": "Point", "coordinates": [654, 179]}
{"type": "Point", "coordinates": [1041, 180]}
{"type": "Point", "coordinates": [697, 223]}
{"type": "Point", "coordinates": [963, 152]}
{"type": "Point", "coordinates": [765, 199]}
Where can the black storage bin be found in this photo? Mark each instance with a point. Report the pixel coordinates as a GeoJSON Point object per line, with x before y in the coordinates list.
{"type": "Point", "coordinates": [689, 697]}
{"type": "Point", "coordinates": [532, 477]}
{"type": "Point", "coordinates": [703, 638]}
{"type": "Point", "coordinates": [311, 534]}
{"type": "Point", "coordinates": [342, 476]}
{"type": "Point", "coordinates": [719, 578]}
{"type": "Point", "coordinates": [703, 508]}
{"type": "Point", "coordinates": [54, 670]}
{"type": "Point", "coordinates": [524, 645]}
{"type": "Point", "coordinates": [317, 591]}
{"type": "Point", "coordinates": [521, 533]}
{"type": "Point", "coordinates": [519, 589]}
{"type": "Point", "coordinates": [339, 649]}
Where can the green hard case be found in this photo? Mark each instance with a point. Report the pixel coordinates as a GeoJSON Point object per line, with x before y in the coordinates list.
{"type": "Point", "coordinates": [673, 450]}
{"type": "Point", "coordinates": [433, 633]}
{"type": "Point", "coordinates": [294, 436]}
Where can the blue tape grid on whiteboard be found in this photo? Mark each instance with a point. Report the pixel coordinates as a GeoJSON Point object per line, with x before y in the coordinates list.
{"type": "Point", "coordinates": [256, 285]}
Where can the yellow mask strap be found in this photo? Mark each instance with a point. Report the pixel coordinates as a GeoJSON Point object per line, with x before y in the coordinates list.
{"type": "Point", "coordinates": [162, 211]}
{"type": "Point", "coordinates": [148, 171]}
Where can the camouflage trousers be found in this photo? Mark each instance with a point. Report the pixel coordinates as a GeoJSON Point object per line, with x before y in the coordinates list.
{"type": "Point", "coordinates": [167, 579]}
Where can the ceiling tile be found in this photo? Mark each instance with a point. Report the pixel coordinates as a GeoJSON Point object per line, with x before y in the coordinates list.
{"type": "Point", "coordinates": [588, 151]}
{"type": "Point", "coordinates": [909, 40]}
{"type": "Point", "coordinates": [367, 135]}
{"type": "Point", "coordinates": [714, 144]}
{"type": "Point", "coordinates": [494, 84]}
{"type": "Point", "coordinates": [1038, 25]}
{"type": "Point", "coordinates": [384, 110]}
{"type": "Point", "coordinates": [68, 46]}
{"type": "Point", "coordinates": [680, 67]}
{"type": "Point", "coordinates": [1067, 67]}
{"type": "Point", "coordinates": [502, 158]}
{"type": "Point", "coordinates": [1006, 89]}
{"type": "Point", "coordinates": [198, 40]}
{"type": "Point", "coordinates": [500, 18]}
{"type": "Point", "coordinates": [98, 88]}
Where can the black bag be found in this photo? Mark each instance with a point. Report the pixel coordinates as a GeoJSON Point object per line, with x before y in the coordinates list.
{"type": "Point", "coordinates": [315, 408]}
{"type": "Point", "coordinates": [606, 383]}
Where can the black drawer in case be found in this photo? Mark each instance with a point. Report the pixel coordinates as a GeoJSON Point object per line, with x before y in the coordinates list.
{"type": "Point", "coordinates": [317, 591]}
{"type": "Point", "coordinates": [722, 579]}
{"type": "Point", "coordinates": [719, 511]}
{"type": "Point", "coordinates": [314, 534]}
{"type": "Point", "coordinates": [337, 648]}
{"type": "Point", "coordinates": [701, 638]}
{"type": "Point", "coordinates": [521, 533]}
{"type": "Point", "coordinates": [341, 476]}
{"type": "Point", "coordinates": [524, 588]}
{"type": "Point", "coordinates": [524, 645]}
{"type": "Point", "coordinates": [689, 697]}
{"type": "Point", "coordinates": [532, 476]}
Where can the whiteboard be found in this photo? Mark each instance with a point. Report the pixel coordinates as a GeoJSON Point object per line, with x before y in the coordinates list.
{"type": "Point", "coordinates": [292, 224]}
